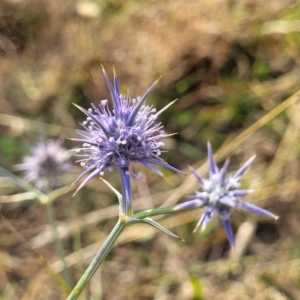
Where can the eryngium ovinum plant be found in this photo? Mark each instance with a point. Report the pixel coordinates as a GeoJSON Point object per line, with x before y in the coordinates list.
{"type": "Point", "coordinates": [45, 166]}
{"type": "Point", "coordinates": [129, 133]}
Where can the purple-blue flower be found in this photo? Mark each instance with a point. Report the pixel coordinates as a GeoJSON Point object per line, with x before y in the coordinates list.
{"type": "Point", "coordinates": [219, 194]}
{"type": "Point", "coordinates": [47, 162]}
{"type": "Point", "coordinates": [115, 138]}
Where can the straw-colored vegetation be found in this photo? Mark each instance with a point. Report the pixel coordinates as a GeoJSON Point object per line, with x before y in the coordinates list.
{"type": "Point", "coordinates": [233, 65]}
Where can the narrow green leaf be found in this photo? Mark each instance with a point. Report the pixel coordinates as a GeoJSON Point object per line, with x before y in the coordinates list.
{"type": "Point", "coordinates": [154, 212]}
{"type": "Point", "coordinates": [117, 193]}
{"type": "Point", "coordinates": [24, 184]}
{"type": "Point", "coordinates": [58, 192]}
{"type": "Point", "coordinates": [151, 222]}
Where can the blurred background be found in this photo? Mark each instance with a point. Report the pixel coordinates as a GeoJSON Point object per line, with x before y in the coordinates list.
{"type": "Point", "coordinates": [234, 67]}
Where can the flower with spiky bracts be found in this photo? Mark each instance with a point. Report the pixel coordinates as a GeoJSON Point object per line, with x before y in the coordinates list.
{"type": "Point", "coordinates": [46, 164]}
{"type": "Point", "coordinates": [114, 138]}
{"type": "Point", "coordinates": [219, 194]}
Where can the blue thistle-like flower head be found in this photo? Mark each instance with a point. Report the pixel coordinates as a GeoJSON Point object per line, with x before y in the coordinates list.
{"type": "Point", "coordinates": [219, 194]}
{"type": "Point", "coordinates": [48, 161]}
{"type": "Point", "coordinates": [114, 138]}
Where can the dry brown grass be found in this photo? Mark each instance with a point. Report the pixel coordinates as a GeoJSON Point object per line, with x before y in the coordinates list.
{"type": "Point", "coordinates": [234, 65]}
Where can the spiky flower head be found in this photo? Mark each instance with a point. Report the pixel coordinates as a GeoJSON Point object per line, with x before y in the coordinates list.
{"type": "Point", "coordinates": [45, 165]}
{"type": "Point", "coordinates": [127, 133]}
{"type": "Point", "coordinates": [219, 194]}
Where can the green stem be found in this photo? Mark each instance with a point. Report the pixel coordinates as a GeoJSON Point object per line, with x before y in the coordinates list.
{"type": "Point", "coordinates": [126, 205]}
{"type": "Point", "coordinates": [155, 212]}
{"type": "Point", "coordinates": [77, 244]}
{"type": "Point", "coordinates": [58, 244]}
{"type": "Point", "coordinates": [98, 259]}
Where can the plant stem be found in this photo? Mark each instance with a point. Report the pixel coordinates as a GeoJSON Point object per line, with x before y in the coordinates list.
{"type": "Point", "coordinates": [98, 259]}
{"type": "Point", "coordinates": [77, 244]}
{"type": "Point", "coordinates": [155, 212]}
{"type": "Point", "coordinates": [126, 192]}
{"type": "Point", "coordinates": [58, 244]}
